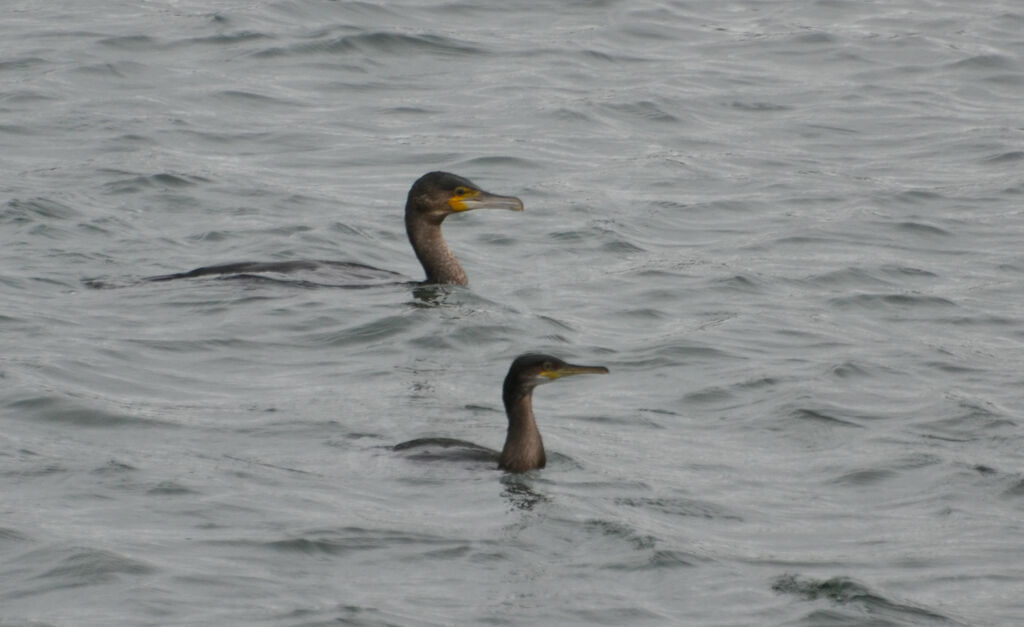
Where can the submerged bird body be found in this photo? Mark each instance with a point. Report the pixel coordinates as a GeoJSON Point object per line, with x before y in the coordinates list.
{"type": "Point", "coordinates": [432, 198]}
{"type": "Point", "coordinates": [524, 448]}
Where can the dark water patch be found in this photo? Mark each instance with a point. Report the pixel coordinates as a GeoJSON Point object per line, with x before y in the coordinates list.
{"type": "Point", "coordinates": [821, 130]}
{"type": "Point", "coordinates": [759, 106]}
{"type": "Point", "coordinates": [1016, 489]}
{"type": "Point", "coordinates": [822, 417]}
{"type": "Point", "coordinates": [1014, 156]}
{"type": "Point", "coordinates": [24, 63]}
{"type": "Point", "coordinates": [346, 614]}
{"type": "Point", "coordinates": [37, 470]}
{"type": "Point", "coordinates": [892, 301]}
{"type": "Point", "coordinates": [916, 197]}
{"type": "Point", "coordinates": [867, 477]}
{"type": "Point", "coordinates": [171, 488]}
{"type": "Point", "coordinates": [353, 539]}
{"type": "Point", "coordinates": [851, 370]}
{"type": "Point", "coordinates": [569, 115]}
{"type": "Point", "coordinates": [380, 43]}
{"type": "Point", "coordinates": [658, 274]}
{"type": "Point", "coordinates": [408, 110]}
{"type": "Point", "coordinates": [968, 420]}
{"type": "Point", "coordinates": [714, 394]}
{"type": "Point", "coordinates": [671, 357]}
{"type": "Point", "coordinates": [870, 606]}
{"type": "Point", "coordinates": [119, 69]}
{"type": "Point", "coordinates": [129, 142]}
{"type": "Point", "coordinates": [12, 536]}
{"type": "Point", "coordinates": [619, 616]}
{"type": "Point", "coordinates": [632, 422]}
{"type": "Point", "coordinates": [370, 332]}
{"type": "Point", "coordinates": [247, 99]}
{"type": "Point", "coordinates": [680, 506]}
{"type": "Point", "coordinates": [816, 241]}
{"type": "Point", "coordinates": [644, 110]}
{"type": "Point", "coordinates": [920, 228]}
{"type": "Point", "coordinates": [985, 62]}
{"type": "Point", "coordinates": [848, 278]}
{"type": "Point", "coordinates": [621, 247]}
{"type": "Point", "coordinates": [813, 37]}
{"type": "Point", "coordinates": [953, 367]}
{"type": "Point", "coordinates": [725, 397]}
{"type": "Point", "coordinates": [657, 559]}
{"type": "Point", "coordinates": [739, 283]}
{"type": "Point", "coordinates": [1013, 80]}
{"type": "Point", "coordinates": [481, 334]}
{"type": "Point", "coordinates": [497, 163]}
{"type": "Point", "coordinates": [24, 97]}
{"type": "Point", "coordinates": [567, 236]}
{"type": "Point", "coordinates": [658, 411]}
{"type": "Point", "coordinates": [611, 58]}
{"type": "Point", "coordinates": [81, 566]}
{"type": "Point", "coordinates": [907, 272]}
{"type": "Point", "coordinates": [133, 43]}
{"type": "Point", "coordinates": [644, 313]}
{"type": "Point", "coordinates": [113, 467]}
{"type": "Point", "coordinates": [223, 39]}
{"type": "Point", "coordinates": [984, 321]}
{"type": "Point", "coordinates": [17, 211]}
{"type": "Point", "coordinates": [160, 181]}
{"type": "Point", "coordinates": [499, 239]}
{"type": "Point", "coordinates": [66, 411]}
{"type": "Point", "coordinates": [619, 531]}
{"type": "Point", "coordinates": [25, 463]}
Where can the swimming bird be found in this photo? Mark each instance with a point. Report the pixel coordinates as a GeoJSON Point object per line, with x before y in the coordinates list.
{"type": "Point", "coordinates": [432, 198]}
{"type": "Point", "coordinates": [524, 449]}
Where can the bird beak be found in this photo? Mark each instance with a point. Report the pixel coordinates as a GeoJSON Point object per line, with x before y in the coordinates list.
{"type": "Point", "coordinates": [476, 199]}
{"type": "Point", "coordinates": [571, 369]}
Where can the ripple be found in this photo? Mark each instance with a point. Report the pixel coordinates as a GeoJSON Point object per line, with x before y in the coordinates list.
{"type": "Point", "coordinates": [170, 488]}
{"type": "Point", "coordinates": [1013, 156]}
{"type": "Point", "coordinates": [679, 506]}
{"type": "Point", "coordinates": [386, 43]}
{"type": "Point", "coordinates": [644, 109]}
{"type": "Point", "coordinates": [8, 535]}
{"type": "Point", "coordinates": [820, 416]}
{"type": "Point", "coordinates": [893, 301]}
{"type": "Point", "coordinates": [922, 228]}
{"type": "Point", "coordinates": [844, 591]}
{"type": "Point", "coordinates": [81, 566]}
{"type": "Point", "coordinates": [985, 62]}
{"type": "Point", "coordinates": [161, 180]}
{"type": "Point", "coordinates": [31, 210]}
{"type": "Point", "coordinates": [72, 412]}
{"type": "Point", "coordinates": [759, 107]}
{"type": "Point", "coordinates": [134, 43]}
{"type": "Point", "coordinates": [870, 476]}
{"type": "Point", "coordinates": [355, 539]}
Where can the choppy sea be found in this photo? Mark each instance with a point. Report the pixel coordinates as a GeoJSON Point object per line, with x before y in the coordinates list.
{"type": "Point", "coordinates": [793, 231]}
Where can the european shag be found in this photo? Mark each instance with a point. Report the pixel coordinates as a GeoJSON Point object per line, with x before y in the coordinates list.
{"type": "Point", "coordinates": [432, 198]}
{"type": "Point", "coordinates": [523, 449]}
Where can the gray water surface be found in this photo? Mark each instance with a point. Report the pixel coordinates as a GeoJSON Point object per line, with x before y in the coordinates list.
{"type": "Point", "coordinates": [791, 230]}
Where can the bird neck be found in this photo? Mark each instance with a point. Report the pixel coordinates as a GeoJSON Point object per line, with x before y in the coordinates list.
{"type": "Point", "coordinates": [437, 259]}
{"type": "Point", "coordinates": [524, 449]}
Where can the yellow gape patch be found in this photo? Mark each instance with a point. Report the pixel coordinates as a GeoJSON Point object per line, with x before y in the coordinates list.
{"type": "Point", "coordinates": [458, 201]}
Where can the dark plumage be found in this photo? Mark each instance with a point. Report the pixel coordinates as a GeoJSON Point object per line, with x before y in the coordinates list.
{"type": "Point", "coordinates": [524, 449]}
{"type": "Point", "coordinates": [432, 198]}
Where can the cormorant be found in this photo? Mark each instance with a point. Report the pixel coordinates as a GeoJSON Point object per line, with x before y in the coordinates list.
{"type": "Point", "coordinates": [523, 449]}
{"type": "Point", "coordinates": [432, 198]}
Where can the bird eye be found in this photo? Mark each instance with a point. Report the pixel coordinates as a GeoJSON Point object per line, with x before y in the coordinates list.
{"type": "Point", "coordinates": [461, 191]}
{"type": "Point", "coordinates": [548, 365]}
